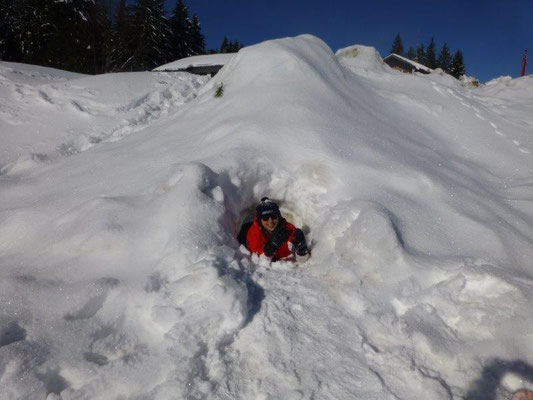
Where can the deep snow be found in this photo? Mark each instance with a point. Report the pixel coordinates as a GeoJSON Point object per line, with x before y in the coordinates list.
{"type": "Point", "coordinates": [122, 194]}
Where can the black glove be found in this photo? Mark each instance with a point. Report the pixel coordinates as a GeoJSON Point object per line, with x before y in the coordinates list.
{"type": "Point", "coordinates": [300, 243]}
{"type": "Point", "coordinates": [279, 236]}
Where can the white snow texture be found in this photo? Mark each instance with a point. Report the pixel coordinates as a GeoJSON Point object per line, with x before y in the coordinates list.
{"type": "Point", "coordinates": [121, 196]}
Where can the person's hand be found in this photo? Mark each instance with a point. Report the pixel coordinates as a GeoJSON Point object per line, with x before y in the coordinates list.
{"type": "Point", "coordinates": [279, 236]}
{"type": "Point", "coordinates": [299, 243]}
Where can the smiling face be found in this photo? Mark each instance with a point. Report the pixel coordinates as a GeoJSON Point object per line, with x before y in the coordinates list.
{"type": "Point", "coordinates": [270, 223]}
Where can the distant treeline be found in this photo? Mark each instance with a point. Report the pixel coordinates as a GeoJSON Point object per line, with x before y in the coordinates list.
{"type": "Point", "coordinates": [97, 36]}
{"type": "Point", "coordinates": [428, 56]}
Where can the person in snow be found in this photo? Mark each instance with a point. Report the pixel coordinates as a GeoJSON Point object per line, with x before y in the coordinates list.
{"type": "Point", "coordinates": [270, 234]}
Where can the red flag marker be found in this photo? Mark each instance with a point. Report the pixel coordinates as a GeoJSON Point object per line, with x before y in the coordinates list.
{"type": "Point", "coordinates": [524, 63]}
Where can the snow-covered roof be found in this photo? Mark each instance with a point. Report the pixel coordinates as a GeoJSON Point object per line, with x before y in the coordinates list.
{"type": "Point", "coordinates": [416, 65]}
{"type": "Point", "coordinates": [206, 60]}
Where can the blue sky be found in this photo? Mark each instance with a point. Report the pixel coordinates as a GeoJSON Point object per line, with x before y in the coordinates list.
{"type": "Point", "coordinates": [492, 34]}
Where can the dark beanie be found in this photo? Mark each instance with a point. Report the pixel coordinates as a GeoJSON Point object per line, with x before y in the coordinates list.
{"type": "Point", "coordinates": [267, 208]}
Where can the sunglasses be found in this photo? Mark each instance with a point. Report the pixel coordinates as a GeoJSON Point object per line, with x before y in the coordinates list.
{"type": "Point", "coordinates": [267, 217]}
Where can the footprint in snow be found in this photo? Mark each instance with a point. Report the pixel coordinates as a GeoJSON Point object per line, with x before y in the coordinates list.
{"type": "Point", "coordinates": [515, 142]}
{"type": "Point", "coordinates": [12, 333]}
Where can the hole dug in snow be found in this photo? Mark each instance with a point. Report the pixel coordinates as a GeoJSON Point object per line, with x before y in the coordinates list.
{"type": "Point", "coordinates": [53, 381]}
{"type": "Point", "coordinates": [11, 333]}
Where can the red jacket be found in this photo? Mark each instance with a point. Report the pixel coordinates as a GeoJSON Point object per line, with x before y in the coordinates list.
{"type": "Point", "coordinates": [257, 237]}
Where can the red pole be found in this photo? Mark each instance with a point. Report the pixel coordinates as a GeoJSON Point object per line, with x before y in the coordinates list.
{"type": "Point", "coordinates": [524, 63]}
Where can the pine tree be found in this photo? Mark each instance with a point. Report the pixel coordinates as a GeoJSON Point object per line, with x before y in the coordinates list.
{"type": "Point", "coordinates": [181, 39]}
{"type": "Point", "coordinates": [31, 29]}
{"type": "Point", "coordinates": [99, 37]}
{"type": "Point", "coordinates": [397, 45]}
{"type": "Point", "coordinates": [230, 46]}
{"type": "Point", "coordinates": [237, 46]}
{"type": "Point", "coordinates": [457, 68]}
{"type": "Point", "coordinates": [445, 58]}
{"type": "Point", "coordinates": [152, 34]}
{"type": "Point", "coordinates": [411, 54]}
{"type": "Point", "coordinates": [67, 35]}
{"type": "Point", "coordinates": [123, 44]}
{"type": "Point", "coordinates": [431, 59]}
{"type": "Point", "coordinates": [224, 47]}
{"type": "Point", "coordinates": [420, 54]}
{"type": "Point", "coordinates": [73, 27]}
{"type": "Point", "coordinates": [198, 41]}
{"type": "Point", "coordinates": [9, 22]}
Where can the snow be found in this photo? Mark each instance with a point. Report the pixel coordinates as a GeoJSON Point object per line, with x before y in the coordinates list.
{"type": "Point", "coordinates": [362, 58]}
{"type": "Point", "coordinates": [121, 276]}
{"type": "Point", "coordinates": [45, 113]}
{"type": "Point", "coordinates": [197, 61]}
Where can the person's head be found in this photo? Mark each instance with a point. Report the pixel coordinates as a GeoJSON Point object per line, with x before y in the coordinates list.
{"type": "Point", "coordinates": [268, 214]}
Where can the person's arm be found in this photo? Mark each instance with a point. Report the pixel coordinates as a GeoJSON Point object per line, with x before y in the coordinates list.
{"type": "Point", "coordinates": [255, 240]}
{"type": "Point", "coordinates": [299, 243]}
{"type": "Point", "coordinates": [277, 238]}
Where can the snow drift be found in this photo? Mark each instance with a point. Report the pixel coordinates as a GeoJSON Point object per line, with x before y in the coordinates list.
{"type": "Point", "coordinates": [122, 278]}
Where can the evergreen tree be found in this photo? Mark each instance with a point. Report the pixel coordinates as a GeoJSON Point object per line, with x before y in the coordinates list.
{"type": "Point", "coordinates": [397, 45]}
{"type": "Point", "coordinates": [29, 31]}
{"type": "Point", "coordinates": [198, 41]}
{"type": "Point", "coordinates": [420, 54]}
{"type": "Point", "coordinates": [230, 46]}
{"type": "Point", "coordinates": [445, 58]}
{"type": "Point", "coordinates": [123, 44]}
{"type": "Point", "coordinates": [67, 35]}
{"type": "Point", "coordinates": [181, 39]}
{"type": "Point", "coordinates": [99, 37]}
{"type": "Point", "coordinates": [83, 36]}
{"type": "Point", "coordinates": [236, 46]}
{"type": "Point", "coordinates": [74, 28]}
{"type": "Point", "coordinates": [152, 35]}
{"type": "Point", "coordinates": [431, 58]}
{"type": "Point", "coordinates": [457, 68]}
{"type": "Point", "coordinates": [411, 54]}
{"type": "Point", "coordinates": [224, 47]}
{"type": "Point", "coordinates": [9, 28]}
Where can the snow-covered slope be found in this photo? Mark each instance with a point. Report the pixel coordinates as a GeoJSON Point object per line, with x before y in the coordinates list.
{"type": "Point", "coordinates": [46, 113]}
{"type": "Point", "coordinates": [121, 277]}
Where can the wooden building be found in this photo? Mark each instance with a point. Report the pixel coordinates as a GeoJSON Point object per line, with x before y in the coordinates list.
{"type": "Point", "coordinates": [208, 64]}
{"type": "Point", "coordinates": [405, 65]}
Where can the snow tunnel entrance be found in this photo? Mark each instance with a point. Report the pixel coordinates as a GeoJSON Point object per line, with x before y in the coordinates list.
{"type": "Point", "coordinates": [288, 211]}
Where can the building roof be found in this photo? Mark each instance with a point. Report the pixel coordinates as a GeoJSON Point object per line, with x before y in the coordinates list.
{"type": "Point", "coordinates": [416, 66]}
{"type": "Point", "coordinates": [207, 60]}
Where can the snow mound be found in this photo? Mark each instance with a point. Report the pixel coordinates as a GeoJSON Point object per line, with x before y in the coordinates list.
{"type": "Point", "coordinates": [500, 80]}
{"type": "Point", "coordinates": [34, 74]}
{"type": "Point", "coordinates": [359, 57]}
{"type": "Point", "coordinates": [469, 81]}
{"type": "Point", "coordinates": [507, 86]}
{"type": "Point", "coordinates": [304, 58]}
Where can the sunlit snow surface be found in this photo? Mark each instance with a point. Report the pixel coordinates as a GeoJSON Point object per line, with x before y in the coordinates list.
{"type": "Point", "coordinates": [121, 194]}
